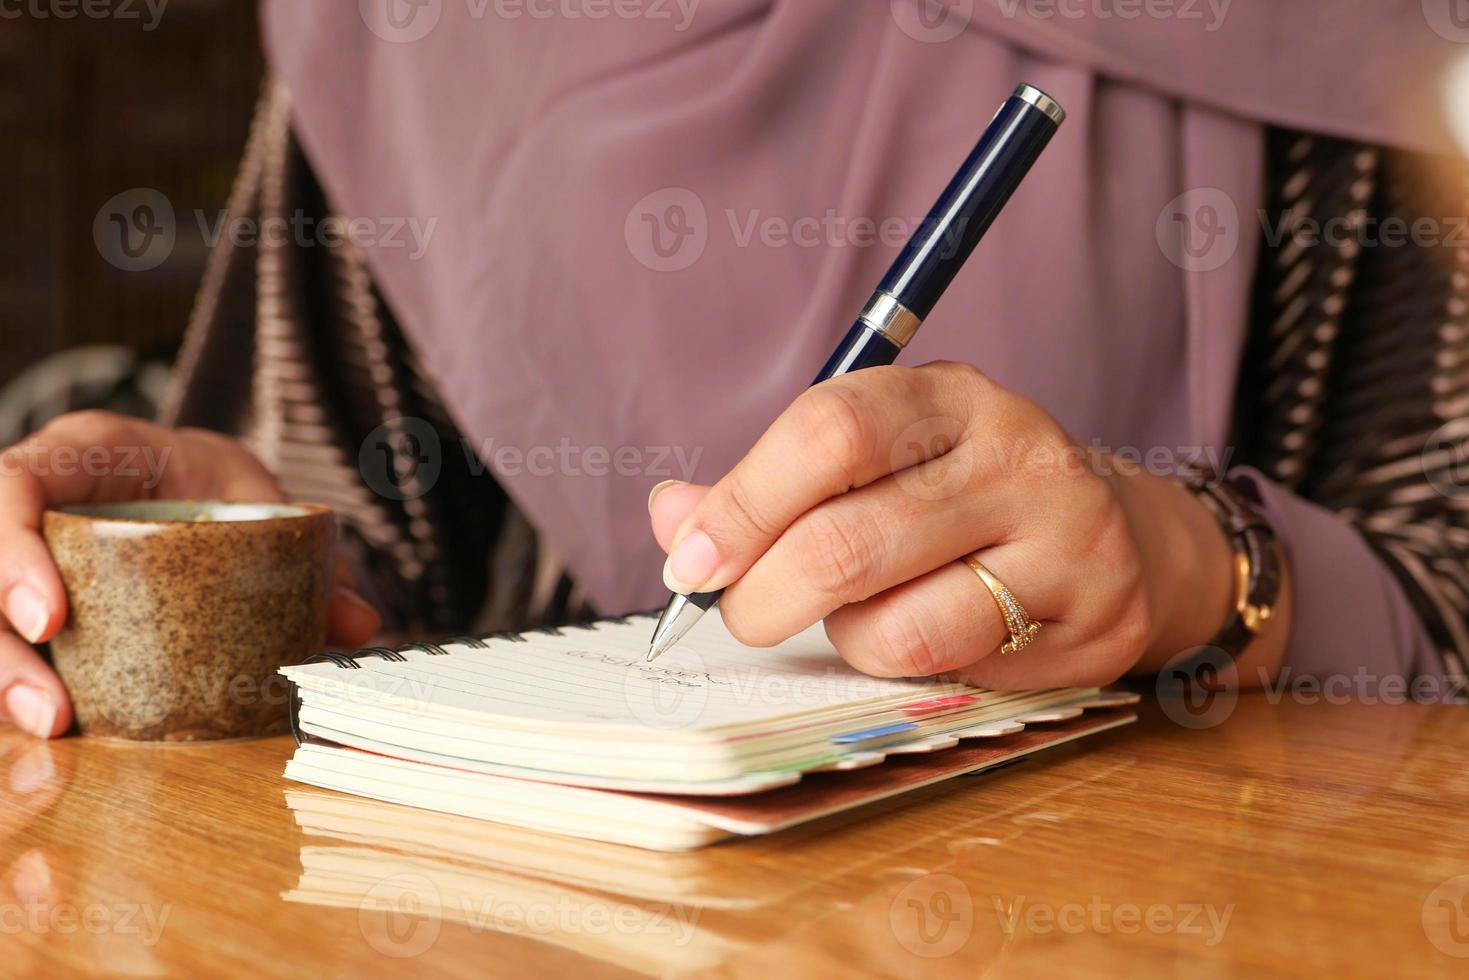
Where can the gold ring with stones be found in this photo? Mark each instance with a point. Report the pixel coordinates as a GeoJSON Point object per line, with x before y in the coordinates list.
{"type": "Point", "coordinates": [1021, 627]}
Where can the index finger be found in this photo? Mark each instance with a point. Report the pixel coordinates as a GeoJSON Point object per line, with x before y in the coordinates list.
{"type": "Point", "coordinates": [837, 436]}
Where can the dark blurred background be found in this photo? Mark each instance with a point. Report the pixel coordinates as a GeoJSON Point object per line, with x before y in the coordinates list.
{"type": "Point", "coordinates": [93, 107]}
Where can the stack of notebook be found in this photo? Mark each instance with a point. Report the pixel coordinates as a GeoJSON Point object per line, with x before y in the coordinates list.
{"type": "Point", "coordinates": [569, 731]}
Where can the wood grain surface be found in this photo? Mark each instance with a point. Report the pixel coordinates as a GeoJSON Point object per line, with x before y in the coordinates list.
{"type": "Point", "coordinates": [1276, 839]}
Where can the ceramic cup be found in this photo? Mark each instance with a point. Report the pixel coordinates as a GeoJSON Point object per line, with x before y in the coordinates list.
{"type": "Point", "coordinates": [179, 613]}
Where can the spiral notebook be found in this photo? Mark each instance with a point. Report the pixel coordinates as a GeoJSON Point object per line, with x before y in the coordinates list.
{"type": "Point", "coordinates": [569, 731]}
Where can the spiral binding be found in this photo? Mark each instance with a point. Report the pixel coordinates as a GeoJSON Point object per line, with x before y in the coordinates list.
{"type": "Point", "coordinates": [479, 641]}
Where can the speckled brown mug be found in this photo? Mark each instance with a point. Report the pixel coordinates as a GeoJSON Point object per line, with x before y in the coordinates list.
{"type": "Point", "coordinates": [179, 613]}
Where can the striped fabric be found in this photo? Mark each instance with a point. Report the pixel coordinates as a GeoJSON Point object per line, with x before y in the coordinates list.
{"type": "Point", "coordinates": [1353, 390]}
{"type": "Point", "coordinates": [336, 406]}
{"type": "Point", "coordinates": [1355, 383]}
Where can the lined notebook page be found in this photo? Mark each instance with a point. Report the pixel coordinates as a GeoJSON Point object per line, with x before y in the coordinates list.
{"type": "Point", "coordinates": [596, 677]}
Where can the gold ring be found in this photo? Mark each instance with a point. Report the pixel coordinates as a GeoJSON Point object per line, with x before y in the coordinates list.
{"type": "Point", "coordinates": [1022, 628]}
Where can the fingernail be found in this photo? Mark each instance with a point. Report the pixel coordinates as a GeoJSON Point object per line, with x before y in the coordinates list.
{"type": "Point", "coordinates": [27, 612]}
{"type": "Point", "coordinates": [653, 494]}
{"type": "Point", "coordinates": [693, 562]}
{"type": "Point", "coordinates": [32, 710]}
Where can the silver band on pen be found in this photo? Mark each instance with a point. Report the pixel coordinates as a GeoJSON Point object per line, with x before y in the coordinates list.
{"type": "Point", "coordinates": [1042, 101]}
{"type": "Point", "coordinates": [884, 314]}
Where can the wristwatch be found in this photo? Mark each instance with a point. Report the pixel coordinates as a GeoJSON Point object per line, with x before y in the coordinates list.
{"type": "Point", "coordinates": [1255, 554]}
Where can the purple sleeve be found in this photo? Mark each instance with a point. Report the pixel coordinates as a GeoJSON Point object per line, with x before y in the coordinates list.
{"type": "Point", "coordinates": [1352, 618]}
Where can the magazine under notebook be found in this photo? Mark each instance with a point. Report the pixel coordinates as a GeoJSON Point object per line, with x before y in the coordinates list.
{"type": "Point", "coordinates": [534, 729]}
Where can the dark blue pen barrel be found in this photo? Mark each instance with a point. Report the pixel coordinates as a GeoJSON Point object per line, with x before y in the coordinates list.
{"type": "Point", "coordinates": [863, 347]}
{"type": "Point", "coordinates": [974, 198]}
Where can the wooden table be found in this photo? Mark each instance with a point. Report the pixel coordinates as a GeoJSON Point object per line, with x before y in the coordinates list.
{"type": "Point", "coordinates": [1290, 839]}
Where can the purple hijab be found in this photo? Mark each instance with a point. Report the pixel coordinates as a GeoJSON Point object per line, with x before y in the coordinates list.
{"type": "Point", "coordinates": [642, 232]}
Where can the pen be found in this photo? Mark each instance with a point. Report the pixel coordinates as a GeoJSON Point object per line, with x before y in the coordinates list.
{"type": "Point", "coordinates": [927, 265]}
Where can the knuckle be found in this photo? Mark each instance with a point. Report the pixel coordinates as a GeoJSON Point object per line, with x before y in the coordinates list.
{"type": "Point", "coordinates": [1134, 630]}
{"type": "Point", "coordinates": [972, 387]}
{"type": "Point", "coordinates": [745, 510]}
{"type": "Point", "coordinates": [1109, 540]}
{"type": "Point", "coordinates": [1048, 450]}
{"type": "Point", "coordinates": [1026, 442]}
{"type": "Point", "coordinates": [905, 643]}
{"type": "Point", "coordinates": [839, 558]}
{"type": "Point", "coordinates": [838, 420]}
{"type": "Point", "coordinates": [1124, 609]}
{"type": "Point", "coordinates": [964, 375]}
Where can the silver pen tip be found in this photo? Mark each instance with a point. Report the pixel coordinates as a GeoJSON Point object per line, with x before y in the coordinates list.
{"type": "Point", "coordinates": [656, 650]}
{"type": "Point", "coordinates": [678, 618]}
